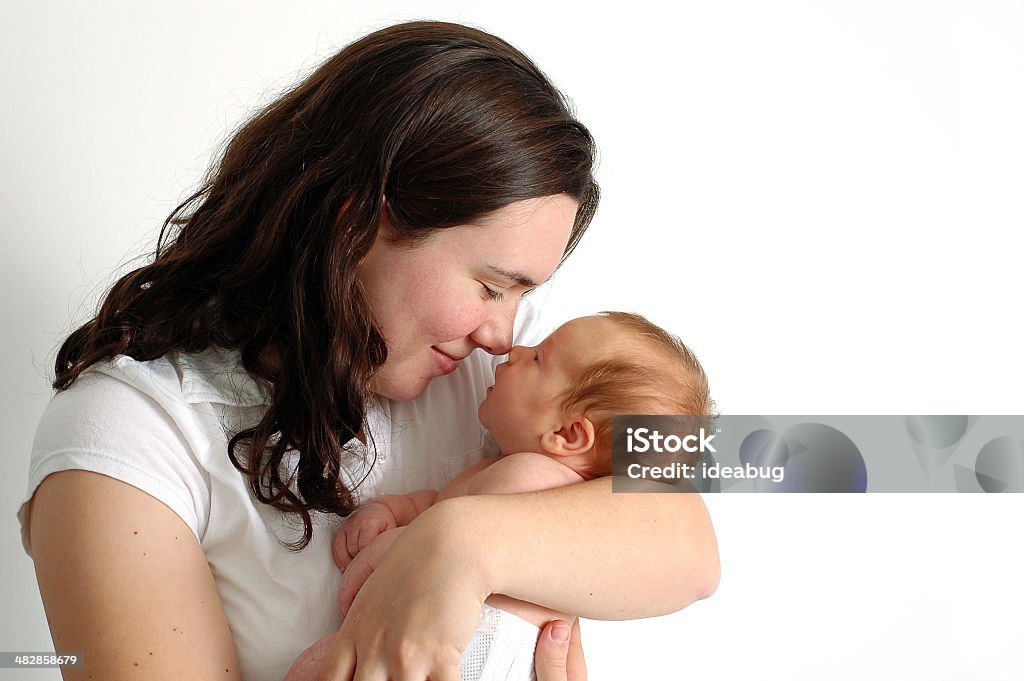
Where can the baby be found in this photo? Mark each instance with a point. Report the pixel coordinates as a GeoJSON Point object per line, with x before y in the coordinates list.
{"type": "Point", "coordinates": [550, 413]}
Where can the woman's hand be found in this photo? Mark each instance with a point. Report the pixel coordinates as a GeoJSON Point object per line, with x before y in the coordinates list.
{"type": "Point", "coordinates": [310, 661]}
{"type": "Point", "coordinates": [415, 614]}
{"type": "Point", "coordinates": [559, 655]}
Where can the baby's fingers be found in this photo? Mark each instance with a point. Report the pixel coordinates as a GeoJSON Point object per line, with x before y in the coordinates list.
{"type": "Point", "coordinates": [353, 543]}
{"type": "Point", "coordinates": [367, 534]}
{"type": "Point", "coordinates": [342, 556]}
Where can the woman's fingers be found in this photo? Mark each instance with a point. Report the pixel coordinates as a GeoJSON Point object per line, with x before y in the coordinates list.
{"type": "Point", "coordinates": [559, 655]}
{"type": "Point", "coordinates": [414, 614]}
{"type": "Point", "coordinates": [362, 566]}
{"type": "Point", "coordinates": [576, 665]}
{"type": "Point", "coordinates": [447, 674]}
{"type": "Point", "coordinates": [553, 652]}
{"type": "Point", "coordinates": [340, 662]}
{"type": "Point", "coordinates": [375, 674]}
{"type": "Point", "coordinates": [352, 581]}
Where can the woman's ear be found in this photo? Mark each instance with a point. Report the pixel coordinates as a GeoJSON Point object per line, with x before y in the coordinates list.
{"type": "Point", "coordinates": [576, 436]}
{"type": "Point", "coordinates": [384, 228]}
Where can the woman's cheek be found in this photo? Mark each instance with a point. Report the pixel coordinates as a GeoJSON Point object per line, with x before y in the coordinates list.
{"type": "Point", "coordinates": [465, 314]}
{"type": "Point", "coordinates": [454, 321]}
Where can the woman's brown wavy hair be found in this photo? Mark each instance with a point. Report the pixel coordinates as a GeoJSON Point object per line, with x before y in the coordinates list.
{"type": "Point", "coordinates": [428, 124]}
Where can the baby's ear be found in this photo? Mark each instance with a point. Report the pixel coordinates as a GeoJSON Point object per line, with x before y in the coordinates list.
{"type": "Point", "coordinates": [576, 436]}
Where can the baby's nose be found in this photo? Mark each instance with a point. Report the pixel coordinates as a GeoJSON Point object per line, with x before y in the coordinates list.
{"type": "Point", "coordinates": [516, 352]}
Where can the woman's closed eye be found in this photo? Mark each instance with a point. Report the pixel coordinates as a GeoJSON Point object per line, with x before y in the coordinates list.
{"type": "Point", "coordinates": [498, 294]}
{"type": "Point", "coordinates": [492, 294]}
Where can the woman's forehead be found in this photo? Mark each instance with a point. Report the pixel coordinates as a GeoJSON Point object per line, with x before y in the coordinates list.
{"type": "Point", "coordinates": [520, 228]}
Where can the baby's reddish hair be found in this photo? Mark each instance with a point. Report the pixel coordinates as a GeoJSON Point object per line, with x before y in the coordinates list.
{"type": "Point", "coordinates": [662, 378]}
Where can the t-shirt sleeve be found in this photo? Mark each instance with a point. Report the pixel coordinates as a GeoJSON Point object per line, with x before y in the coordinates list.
{"type": "Point", "coordinates": [106, 426]}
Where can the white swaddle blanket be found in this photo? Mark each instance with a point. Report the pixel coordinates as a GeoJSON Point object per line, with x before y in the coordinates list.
{"type": "Point", "coordinates": [501, 649]}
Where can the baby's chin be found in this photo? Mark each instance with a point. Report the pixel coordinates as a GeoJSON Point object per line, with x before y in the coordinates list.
{"type": "Point", "coordinates": [482, 413]}
{"type": "Point", "coordinates": [494, 427]}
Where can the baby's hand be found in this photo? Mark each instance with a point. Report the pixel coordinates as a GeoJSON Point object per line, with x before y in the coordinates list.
{"type": "Point", "coordinates": [362, 567]}
{"type": "Point", "coordinates": [359, 529]}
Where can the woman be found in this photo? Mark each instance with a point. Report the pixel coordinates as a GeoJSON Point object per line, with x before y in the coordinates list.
{"type": "Point", "coordinates": [304, 339]}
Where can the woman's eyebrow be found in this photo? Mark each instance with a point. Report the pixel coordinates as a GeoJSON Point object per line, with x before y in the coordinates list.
{"type": "Point", "coordinates": [513, 275]}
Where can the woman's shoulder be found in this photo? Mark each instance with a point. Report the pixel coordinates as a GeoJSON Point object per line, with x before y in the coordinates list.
{"type": "Point", "coordinates": [123, 405]}
{"type": "Point", "coordinates": [152, 424]}
{"type": "Point", "coordinates": [214, 376]}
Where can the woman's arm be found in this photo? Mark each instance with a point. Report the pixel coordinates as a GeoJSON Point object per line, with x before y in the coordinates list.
{"type": "Point", "coordinates": [585, 550]}
{"type": "Point", "coordinates": [125, 583]}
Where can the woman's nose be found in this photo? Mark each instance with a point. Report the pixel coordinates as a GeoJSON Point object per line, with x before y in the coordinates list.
{"type": "Point", "coordinates": [495, 333]}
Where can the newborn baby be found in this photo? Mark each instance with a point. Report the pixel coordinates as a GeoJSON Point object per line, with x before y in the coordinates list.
{"type": "Point", "coordinates": [550, 413]}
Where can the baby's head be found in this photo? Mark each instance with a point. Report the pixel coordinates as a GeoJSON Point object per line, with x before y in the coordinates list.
{"type": "Point", "coordinates": [558, 398]}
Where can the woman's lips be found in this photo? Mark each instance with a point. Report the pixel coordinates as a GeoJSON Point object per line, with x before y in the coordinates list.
{"type": "Point", "coordinates": [445, 362]}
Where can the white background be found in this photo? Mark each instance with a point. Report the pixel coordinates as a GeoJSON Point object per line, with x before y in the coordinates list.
{"type": "Point", "coordinates": [824, 199]}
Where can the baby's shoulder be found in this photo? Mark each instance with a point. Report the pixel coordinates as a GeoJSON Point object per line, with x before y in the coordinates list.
{"type": "Point", "coordinates": [523, 472]}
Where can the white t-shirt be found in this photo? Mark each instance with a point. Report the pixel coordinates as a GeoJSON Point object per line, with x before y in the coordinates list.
{"type": "Point", "coordinates": [162, 426]}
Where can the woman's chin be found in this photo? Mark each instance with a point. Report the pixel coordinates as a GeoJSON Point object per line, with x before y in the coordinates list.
{"type": "Point", "coordinates": [400, 390]}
